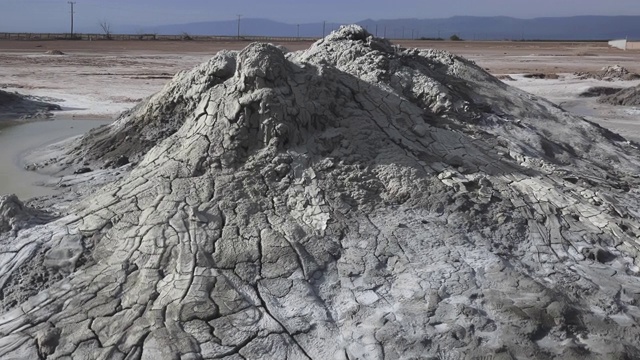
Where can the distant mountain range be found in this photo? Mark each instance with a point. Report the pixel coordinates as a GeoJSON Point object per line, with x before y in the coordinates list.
{"type": "Point", "coordinates": [467, 27]}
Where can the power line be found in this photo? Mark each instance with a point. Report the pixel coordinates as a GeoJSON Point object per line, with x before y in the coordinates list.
{"type": "Point", "coordinates": [71, 3]}
{"type": "Point", "coordinates": [239, 17]}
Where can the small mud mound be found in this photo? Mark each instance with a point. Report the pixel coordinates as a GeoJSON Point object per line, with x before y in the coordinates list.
{"type": "Point", "coordinates": [624, 97]}
{"type": "Point", "coordinates": [355, 200]}
{"type": "Point", "coordinates": [597, 91]}
{"type": "Point", "coordinates": [542, 76]}
{"type": "Point", "coordinates": [609, 73]}
{"type": "Point", "coordinates": [505, 78]}
{"type": "Point", "coordinates": [14, 106]}
{"type": "Point", "coordinates": [54, 52]}
{"type": "Point", "coordinates": [14, 215]}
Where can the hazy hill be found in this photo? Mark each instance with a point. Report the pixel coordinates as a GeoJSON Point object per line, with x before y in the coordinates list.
{"type": "Point", "coordinates": [248, 26]}
{"type": "Point", "coordinates": [468, 27]}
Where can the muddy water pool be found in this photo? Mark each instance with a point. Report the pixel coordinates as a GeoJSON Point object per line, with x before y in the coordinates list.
{"type": "Point", "coordinates": [18, 139]}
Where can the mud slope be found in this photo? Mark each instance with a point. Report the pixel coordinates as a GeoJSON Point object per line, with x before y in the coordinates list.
{"type": "Point", "coordinates": [625, 97]}
{"type": "Point", "coordinates": [15, 107]}
{"type": "Point", "coordinates": [351, 201]}
{"type": "Point", "coordinates": [157, 117]}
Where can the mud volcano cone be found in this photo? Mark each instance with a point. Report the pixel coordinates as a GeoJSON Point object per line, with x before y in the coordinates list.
{"type": "Point", "coordinates": [352, 201]}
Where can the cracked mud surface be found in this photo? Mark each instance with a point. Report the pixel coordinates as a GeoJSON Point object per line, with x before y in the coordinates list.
{"type": "Point", "coordinates": [609, 73]}
{"type": "Point", "coordinates": [351, 201]}
{"type": "Point", "coordinates": [14, 106]}
{"type": "Point", "coordinates": [624, 97]}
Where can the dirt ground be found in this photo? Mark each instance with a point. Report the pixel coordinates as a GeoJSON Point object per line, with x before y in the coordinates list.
{"type": "Point", "coordinates": [497, 56]}
{"type": "Point", "coordinates": [133, 46]}
{"type": "Point", "coordinates": [509, 57]}
{"type": "Point", "coordinates": [100, 79]}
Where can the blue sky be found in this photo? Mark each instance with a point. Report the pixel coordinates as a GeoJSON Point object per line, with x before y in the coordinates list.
{"type": "Point", "coordinates": [53, 15]}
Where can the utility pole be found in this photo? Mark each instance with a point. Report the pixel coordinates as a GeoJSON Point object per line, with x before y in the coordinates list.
{"type": "Point", "coordinates": [298, 31]}
{"type": "Point", "coordinates": [324, 28]}
{"type": "Point", "coordinates": [239, 17]}
{"type": "Point", "coordinates": [412, 32]}
{"type": "Point", "coordinates": [71, 3]}
{"type": "Point", "coordinates": [376, 30]}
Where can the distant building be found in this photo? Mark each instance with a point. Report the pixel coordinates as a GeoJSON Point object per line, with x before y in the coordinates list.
{"type": "Point", "coordinates": [620, 44]}
{"type": "Point", "coordinates": [624, 44]}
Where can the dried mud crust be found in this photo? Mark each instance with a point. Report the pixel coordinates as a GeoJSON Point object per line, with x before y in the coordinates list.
{"type": "Point", "coordinates": [624, 97]}
{"type": "Point", "coordinates": [600, 91]}
{"type": "Point", "coordinates": [14, 215]}
{"type": "Point", "coordinates": [609, 73]}
{"type": "Point", "coordinates": [351, 201]}
{"type": "Point", "coordinates": [141, 128]}
{"type": "Point", "coordinates": [14, 106]}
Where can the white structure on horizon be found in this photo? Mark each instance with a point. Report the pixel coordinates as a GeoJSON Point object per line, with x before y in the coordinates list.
{"type": "Point", "coordinates": [620, 44]}
{"type": "Point", "coordinates": [624, 44]}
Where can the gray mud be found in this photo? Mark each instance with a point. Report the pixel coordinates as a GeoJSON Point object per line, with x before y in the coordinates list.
{"type": "Point", "coordinates": [609, 73]}
{"type": "Point", "coordinates": [355, 200]}
{"type": "Point", "coordinates": [598, 91]}
{"type": "Point", "coordinates": [625, 97]}
{"type": "Point", "coordinates": [17, 107]}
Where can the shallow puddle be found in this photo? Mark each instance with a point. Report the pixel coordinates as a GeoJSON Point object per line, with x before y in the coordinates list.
{"type": "Point", "coordinates": [16, 140]}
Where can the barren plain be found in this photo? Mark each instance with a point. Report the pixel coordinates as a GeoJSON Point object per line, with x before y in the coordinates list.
{"type": "Point", "coordinates": [103, 78]}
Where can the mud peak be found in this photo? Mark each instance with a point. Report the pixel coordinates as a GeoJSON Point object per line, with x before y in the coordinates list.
{"type": "Point", "coordinates": [262, 61]}
{"type": "Point", "coordinates": [350, 32]}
